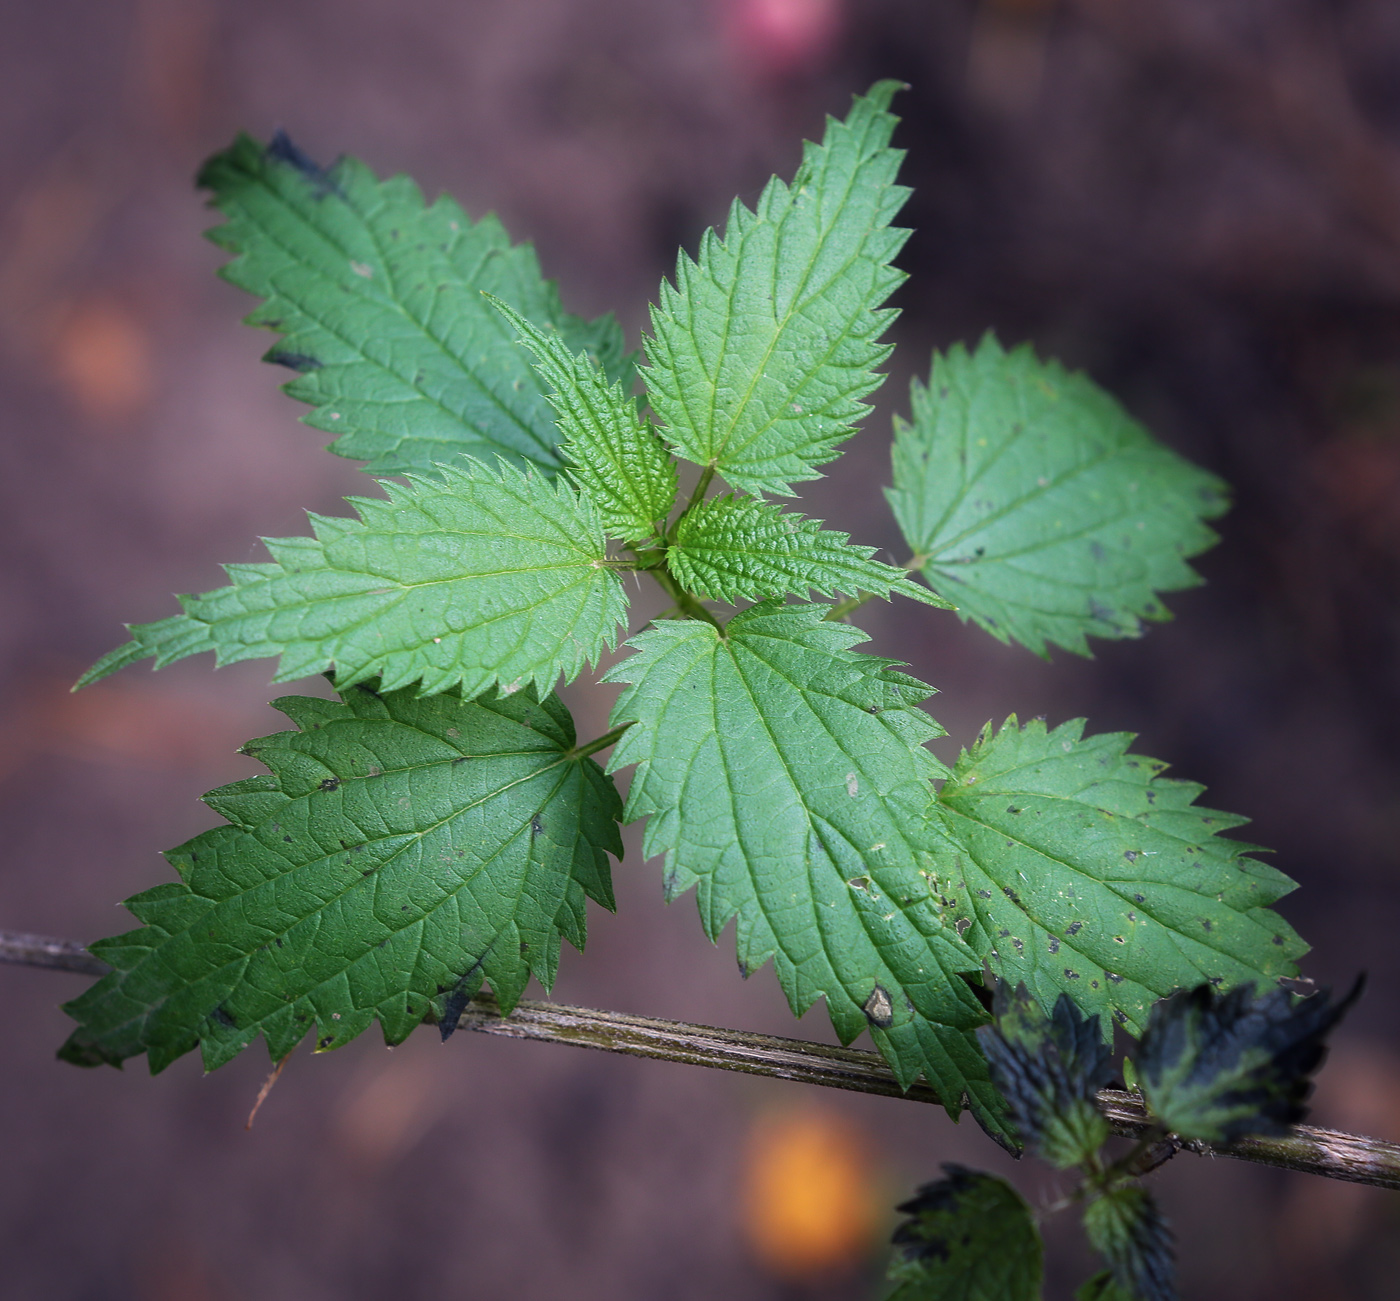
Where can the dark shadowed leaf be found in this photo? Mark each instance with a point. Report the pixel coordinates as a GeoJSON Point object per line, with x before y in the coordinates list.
{"type": "Point", "coordinates": [1049, 1070]}
{"type": "Point", "coordinates": [970, 1237]}
{"type": "Point", "coordinates": [1220, 1066]}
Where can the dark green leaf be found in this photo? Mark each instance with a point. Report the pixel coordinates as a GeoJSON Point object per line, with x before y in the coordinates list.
{"type": "Point", "coordinates": [1045, 512]}
{"type": "Point", "coordinates": [1102, 1287]}
{"type": "Point", "coordinates": [1082, 870]}
{"type": "Point", "coordinates": [378, 299]}
{"type": "Point", "coordinates": [1221, 1066]}
{"type": "Point", "coordinates": [785, 775]}
{"type": "Point", "coordinates": [474, 579]}
{"type": "Point", "coordinates": [767, 344]}
{"type": "Point", "coordinates": [402, 849]}
{"type": "Point", "coordinates": [1125, 1227]}
{"type": "Point", "coordinates": [971, 1238]}
{"type": "Point", "coordinates": [1049, 1070]}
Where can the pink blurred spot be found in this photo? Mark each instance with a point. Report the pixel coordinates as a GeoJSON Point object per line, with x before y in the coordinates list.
{"type": "Point", "coordinates": [779, 37]}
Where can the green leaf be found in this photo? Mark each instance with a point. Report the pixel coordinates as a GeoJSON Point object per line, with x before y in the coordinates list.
{"type": "Point", "coordinates": [1125, 1227]}
{"type": "Point", "coordinates": [618, 460]}
{"type": "Point", "coordinates": [785, 775]}
{"type": "Point", "coordinates": [971, 1238]}
{"type": "Point", "coordinates": [1102, 1287]}
{"type": "Point", "coordinates": [1220, 1067]}
{"type": "Point", "coordinates": [1082, 870]}
{"type": "Point", "coordinates": [740, 549]}
{"type": "Point", "coordinates": [1049, 1070]}
{"type": "Point", "coordinates": [768, 342]}
{"type": "Point", "coordinates": [402, 849]}
{"type": "Point", "coordinates": [477, 578]}
{"type": "Point", "coordinates": [1046, 513]}
{"type": "Point", "coordinates": [378, 300]}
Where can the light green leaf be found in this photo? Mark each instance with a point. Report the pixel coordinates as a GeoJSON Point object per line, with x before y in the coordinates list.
{"type": "Point", "coordinates": [1046, 513]}
{"type": "Point", "coordinates": [378, 299]}
{"type": "Point", "coordinates": [785, 776]}
{"type": "Point", "coordinates": [1080, 869]}
{"type": "Point", "coordinates": [741, 549]}
{"type": "Point", "coordinates": [768, 342]}
{"type": "Point", "coordinates": [971, 1237]}
{"type": "Point", "coordinates": [618, 460]}
{"type": "Point", "coordinates": [402, 850]}
{"type": "Point", "coordinates": [476, 578]}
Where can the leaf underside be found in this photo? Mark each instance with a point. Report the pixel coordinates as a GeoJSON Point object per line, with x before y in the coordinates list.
{"type": "Point", "coordinates": [785, 776]}
{"type": "Point", "coordinates": [1080, 869]}
{"type": "Point", "coordinates": [402, 849]}
{"type": "Point", "coordinates": [741, 549]}
{"type": "Point", "coordinates": [378, 298]}
{"type": "Point", "coordinates": [476, 578]}
{"type": "Point", "coordinates": [1046, 513]}
{"type": "Point", "coordinates": [612, 456]}
{"type": "Point", "coordinates": [767, 343]}
{"type": "Point", "coordinates": [971, 1237]}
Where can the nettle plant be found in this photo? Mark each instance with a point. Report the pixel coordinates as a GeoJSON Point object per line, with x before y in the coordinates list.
{"type": "Point", "coordinates": [439, 827]}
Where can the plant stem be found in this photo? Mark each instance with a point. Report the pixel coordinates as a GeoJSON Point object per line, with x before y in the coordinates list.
{"type": "Point", "coordinates": [598, 743]}
{"type": "Point", "coordinates": [702, 486]}
{"type": "Point", "coordinates": [1304, 1148]}
{"type": "Point", "coordinates": [686, 603]}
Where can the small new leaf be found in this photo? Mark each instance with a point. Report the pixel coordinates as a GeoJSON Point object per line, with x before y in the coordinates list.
{"type": "Point", "coordinates": [768, 342]}
{"type": "Point", "coordinates": [741, 549]}
{"type": "Point", "coordinates": [403, 849]}
{"type": "Point", "coordinates": [1045, 512]}
{"type": "Point", "coordinates": [1081, 870]}
{"type": "Point", "coordinates": [378, 299]}
{"type": "Point", "coordinates": [785, 775]}
{"type": "Point", "coordinates": [617, 460]}
{"type": "Point", "coordinates": [476, 578]}
{"type": "Point", "coordinates": [971, 1237]}
{"type": "Point", "coordinates": [1049, 1070]}
{"type": "Point", "coordinates": [1125, 1227]}
{"type": "Point", "coordinates": [1220, 1067]}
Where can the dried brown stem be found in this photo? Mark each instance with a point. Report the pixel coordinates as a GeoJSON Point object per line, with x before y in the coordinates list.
{"type": "Point", "coordinates": [1304, 1148]}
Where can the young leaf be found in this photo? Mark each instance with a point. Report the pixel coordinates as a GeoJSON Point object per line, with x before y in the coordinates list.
{"type": "Point", "coordinates": [1220, 1067]}
{"type": "Point", "coordinates": [740, 549]}
{"type": "Point", "coordinates": [785, 775]}
{"type": "Point", "coordinates": [378, 299]}
{"type": "Point", "coordinates": [767, 344]}
{"type": "Point", "coordinates": [403, 849]}
{"type": "Point", "coordinates": [1044, 511]}
{"type": "Point", "coordinates": [1125, 1227]}
{"type": "Point", "coordinates": [1082, 870]}
{"type": "Point", "coordinates": [971, 1237]}
{"type": "Point", "coordinates": [1049, 1070]}
{"type": "Point", "coordinates": [476, 578]}
{"type": "Point", "coordinates": [618, 460]}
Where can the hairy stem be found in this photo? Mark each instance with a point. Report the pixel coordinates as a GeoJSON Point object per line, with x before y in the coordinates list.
{"type": "Point", "coordinates": [1304, 1148]}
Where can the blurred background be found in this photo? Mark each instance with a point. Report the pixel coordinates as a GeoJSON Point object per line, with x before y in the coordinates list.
{"type": "Point", "coordinates": [1198, 201]}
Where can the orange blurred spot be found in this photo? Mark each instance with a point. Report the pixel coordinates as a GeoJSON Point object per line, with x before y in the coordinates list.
{"type": "Point", "coordinates": [103, 355]}
{"type": "Point", "coordinates": [810, 1198]}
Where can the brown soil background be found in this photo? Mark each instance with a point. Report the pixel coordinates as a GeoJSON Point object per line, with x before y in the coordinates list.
{"type": "Point", "coordinates": [1196, 200]}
